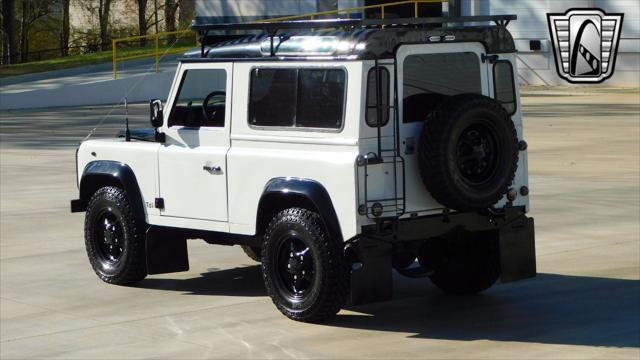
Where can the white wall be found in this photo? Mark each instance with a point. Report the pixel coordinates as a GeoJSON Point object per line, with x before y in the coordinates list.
{"type": "Point", "coordinates": [535, 67]}
{"type": "Point", "coordinates": [250, 9]}
{"type": "Point", "coordinates": [538, 67]}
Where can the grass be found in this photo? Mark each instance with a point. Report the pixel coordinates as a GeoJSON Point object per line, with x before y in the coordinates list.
{"type": "Point", "coordinates": [81, 60]}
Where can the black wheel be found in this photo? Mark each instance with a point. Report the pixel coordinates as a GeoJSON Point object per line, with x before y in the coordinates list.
{"type": "Point", "coordinates": [114, 238]}
{"type": "Point", "coordinates": [464, 264]}
{"type": "Point", "coordinates": [468, 152]}
{"type": "Point", "coordinates": [304, 268]}
{"type": "Point", "coordinates": [254, 253]}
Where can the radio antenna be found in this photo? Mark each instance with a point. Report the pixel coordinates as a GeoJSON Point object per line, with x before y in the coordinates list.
{"type": "Point", "coordinates": [127, 132]}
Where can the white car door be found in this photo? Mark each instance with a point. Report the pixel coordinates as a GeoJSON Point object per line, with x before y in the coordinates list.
{"type": "Point", "coordinates": [192, 161]}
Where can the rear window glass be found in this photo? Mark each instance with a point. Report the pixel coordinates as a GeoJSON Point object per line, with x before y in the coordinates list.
{"type": "Point", "coordinates": [301, 98]}
{"type": "Point", "coordinates": [429, 78]}
{"type": "Point", "coordinates": [504, 86]}
{"type": "Point", "coordinates": [372, 97]}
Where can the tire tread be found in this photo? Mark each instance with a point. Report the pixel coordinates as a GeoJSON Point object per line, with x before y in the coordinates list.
{"type": "Point", "coordinates": [136, 268]}
{"type": "Point", "coordinates": [334, 294]}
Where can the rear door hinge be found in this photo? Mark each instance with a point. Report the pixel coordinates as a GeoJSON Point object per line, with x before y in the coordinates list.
{"type": "Point", "coordinates": [489, 58]}
{"type": "Point", "coordinates": [159, 203]}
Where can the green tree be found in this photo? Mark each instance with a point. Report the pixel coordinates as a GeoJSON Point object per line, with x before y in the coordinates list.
{"type": "Point", "coordinates": [104, 9]}
{"type": "Point", "coordinates": [170, 9]}
{"type": "Point", "coordinates": [32, 11]}
{"type": "Point", "coordinates": [186, 13]}
{"type": "Point", "coordinates": [66, 29]}
{"type": "Point", "coordinates": [9, 43]}
{"type": "Point", "coordinates": [142, 20]}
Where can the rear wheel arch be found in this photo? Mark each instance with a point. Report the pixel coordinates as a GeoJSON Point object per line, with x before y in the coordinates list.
{"type": "Point", "coordinates": [283, 193]}
{"type": "Point", "coordinates": [101, 173]}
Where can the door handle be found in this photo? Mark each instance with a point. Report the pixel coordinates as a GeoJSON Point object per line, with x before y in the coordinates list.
{"type": "Point", "coordinates": [212, 168]}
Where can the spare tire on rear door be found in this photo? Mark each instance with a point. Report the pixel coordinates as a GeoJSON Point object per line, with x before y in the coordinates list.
{"type": "Point", "coordinates": [468, 152]}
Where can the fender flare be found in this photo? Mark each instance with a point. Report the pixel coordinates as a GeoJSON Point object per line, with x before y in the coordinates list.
{"type": "Point", "coordinates": [297, 192]}
{"type": "Point", "coordinates": [101, 173]}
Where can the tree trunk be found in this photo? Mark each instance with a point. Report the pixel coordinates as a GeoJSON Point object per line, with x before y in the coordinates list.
{"type": "Point", "coordinates": [142, 20]}
{"type": "Point", "coordinates": [8, 26]}
{"type": "Point", "coordinates": [186, 14]}
{"type": "Point", "coordinates": [104, 7]}
{"type": "Point", "coordinates": [170, 17]}
{"type": "Point", "coordinates": [64, 41]}
{"type": "Point", "coordinates": [24, 32]}
{"type": "Point", "coordinates": [155, 15]}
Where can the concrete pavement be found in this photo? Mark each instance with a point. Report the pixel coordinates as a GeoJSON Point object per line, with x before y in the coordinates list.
{"type": "Point", "coordinates": [584, 156]}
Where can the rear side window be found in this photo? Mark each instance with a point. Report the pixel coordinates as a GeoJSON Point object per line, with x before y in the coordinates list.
{"type": "Point", "coordinates": [429, 78]}
{"type": "Point", "coordinates": [299, 98]}
{"type": "Point", "coordinates": [372, 96]}
{"type": "Point", "coordinates": [504, 86]}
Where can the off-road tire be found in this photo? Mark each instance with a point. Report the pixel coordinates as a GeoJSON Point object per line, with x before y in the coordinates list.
{"type": "Point", "coordinates": [330, 288]}
{"type": "Point", "coordinates": [470, 264]}
{"type": "Point", "coordinates": [130, 267]}
{"type": "Point", "coordinates": [440, 147]}
{"type": "Point", "coordinates": [254, 253]}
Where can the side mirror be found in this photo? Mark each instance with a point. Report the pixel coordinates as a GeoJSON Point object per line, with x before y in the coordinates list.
{"type": "Point", "coordinates": [156, 115]}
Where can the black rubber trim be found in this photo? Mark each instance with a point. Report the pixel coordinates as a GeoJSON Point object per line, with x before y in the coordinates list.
{"type": "Point", "coordinates": [102, 173]}
{"type": "Point", "coordinates": [306, 188]}
{"type": "Point", "coordinates": [78, 206]}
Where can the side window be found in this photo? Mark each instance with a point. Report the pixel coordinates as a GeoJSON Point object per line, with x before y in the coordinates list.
{"type": "Point", "coordinates": [272, 97]}
{"type": "Point", "coordinates": [371, 115]}
{"type": "Point", "coordinates": [429, 78]}
{"type": "Point", "coordinates": [504, 86]}
{"type": "Point", "coordinates": [201, 99]}
{"type": "Point", "coordinates": [320, 98]}
{"type": "Point", "coordinates": [298, 98]}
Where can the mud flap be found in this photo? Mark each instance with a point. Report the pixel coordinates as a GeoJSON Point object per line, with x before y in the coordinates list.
{"type": "Point", "coordinates": [518, 250]}
{"type": "Point", "coordinates": [371, 278]}
{"type": "Point", "coordinates": [166, 251]}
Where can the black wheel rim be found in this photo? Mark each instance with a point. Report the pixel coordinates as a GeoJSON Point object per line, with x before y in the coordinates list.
{"type": "Point", "coordinates": [295, 267]}
{"type": "Point", "coordinates": [109, 237]}
{"type": "Point", "coordinates": [477, 154]}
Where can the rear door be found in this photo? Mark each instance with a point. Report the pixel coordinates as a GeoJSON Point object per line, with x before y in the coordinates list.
{"type": "Point", "coordinates": [426, 74]}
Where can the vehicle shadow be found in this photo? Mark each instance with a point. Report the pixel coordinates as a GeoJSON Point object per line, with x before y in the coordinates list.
{"type": "Point", "coordinates": [239, 281]}
{"type": "Point", "coordinates": [551, 308]}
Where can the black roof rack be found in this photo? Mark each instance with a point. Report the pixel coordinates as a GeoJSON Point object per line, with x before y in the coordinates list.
{"type": "Point", "coordinates": [271, 28]}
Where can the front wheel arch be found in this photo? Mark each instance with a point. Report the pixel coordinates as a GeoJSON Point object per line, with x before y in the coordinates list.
{"type": "Point", "coordinates": [101, 173]}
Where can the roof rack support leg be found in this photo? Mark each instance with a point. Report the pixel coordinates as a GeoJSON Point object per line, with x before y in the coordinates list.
{"type": "Point", "coordinates": [203, 38]}
{"type": "Point", "coordinates": [272, 49]}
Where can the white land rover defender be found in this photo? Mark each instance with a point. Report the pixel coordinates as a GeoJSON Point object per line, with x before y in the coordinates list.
{"type": "Point", "coordinates": [333, 151]}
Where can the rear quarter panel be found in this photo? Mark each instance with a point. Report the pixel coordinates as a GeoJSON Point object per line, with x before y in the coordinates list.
{"type": "Point", "coordinates": [259, 155]}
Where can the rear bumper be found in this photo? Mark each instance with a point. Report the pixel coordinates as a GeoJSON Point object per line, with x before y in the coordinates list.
{"type": "Point", "coordinates": [425, 227]}
{"type": "Point", "coordinates": [515, 230]}
{"type": "Point", "coordinates": [372, 280]}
